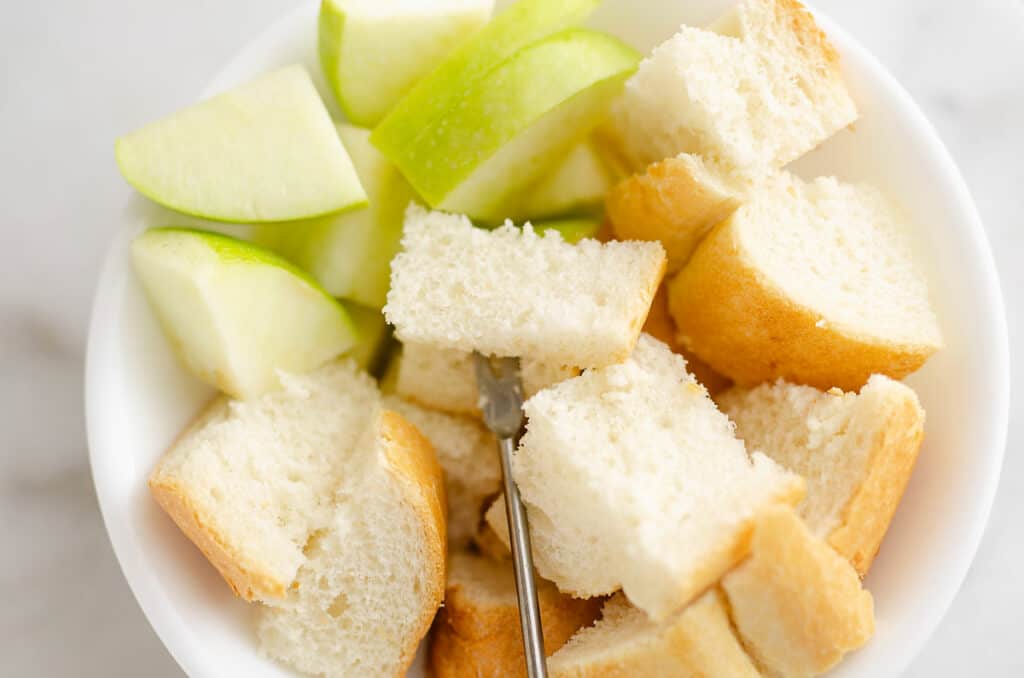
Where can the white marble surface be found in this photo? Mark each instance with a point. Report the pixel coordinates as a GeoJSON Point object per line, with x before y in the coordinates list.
{"type": "Point", "coordinates": [78, 72]}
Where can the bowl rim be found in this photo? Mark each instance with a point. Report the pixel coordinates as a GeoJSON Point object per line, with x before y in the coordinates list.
{"type": "Point", "coordinates": [148, 594]}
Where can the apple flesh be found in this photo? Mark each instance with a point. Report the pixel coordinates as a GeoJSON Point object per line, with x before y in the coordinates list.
{"type": "Point", "coordinates": [350, 254]}
{"type": "Point", "coordinates": [372, 333]}
{"type": "Point", "coordinates": [428, 102]}
{"type": "Point", "coordinates": [515, 124]}
{"type": "Point", "coordinates": [373, 52]}
{"type": "Point", "coordinates": [266, 151]}
{"type": "Point", "coordinates": [576, 186]}
{"type": "Point", "coordinates": [235, 313]}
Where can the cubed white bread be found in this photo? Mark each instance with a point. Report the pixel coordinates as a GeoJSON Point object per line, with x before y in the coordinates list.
{"type": "Point", "coordinates": [754, 96]}
{"type": "Point", "coordinates": [249, 482]}
{"type": "Point", "coordinates": [676, 202]}
{"type": "Point", "coordinates": [633, 479]}
{"type": "Point", "coordinates": [797, 605]}
{"type": "Point", "coordinates": [813, 282]}
{"type": "Point", "coordinates": [698, 642]}
{"type": "Point", "coordinates": [468, 455]}
{"type": "Point", "coordinates": [512, 292]}
{"type": "Point", "coordinates": [660, 325]}
{"type": "Point", "coordinates": [477, 632]}
{"type": "Point", "coordinates": [374, 576]}
{"type": "Point", "coordinates": [445, 378]}
{"type": "Point", "coordinates": [855, 451]}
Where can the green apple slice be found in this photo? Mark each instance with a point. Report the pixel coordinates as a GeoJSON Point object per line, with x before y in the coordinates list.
{"type": "Point", "coordinates": [372, 331]}
{"type": "Point", "coordinates": [373, 52]}
{"type": "Point", "coordinates": [572, 230]}
{"type": "Point", "coordinates": [517, 122]}
{"type": "Point", "coordinates": [350, 254]}
{"type": "Point", "coordinates": [265, 151]}
{"type": "Point", "coordinates": [427, 103]}
{"type": "Point", "coordinates": [578, 185]}
{"type": "Point", "coordinates": [235, 313]}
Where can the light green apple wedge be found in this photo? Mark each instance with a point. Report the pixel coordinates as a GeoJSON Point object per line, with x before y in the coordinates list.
{"type": "Point", "coordinates": [265, 151]}
{"type": "Point", "coordinates": [372, 331]}
{"type": "Point", "coordinates": [235, 313]}
{"type": "Point", "coordinates": [427, 103]}
{"type": "Point", "coordinates": [373, 52]}
{"type": "Point", "coordinates": [576, 186]}
{"type": "Point", "coordinates": [572, 230]}
{"type": "Point", "coordinates": [350, 254]}
{"type": "Point", "coordinates": [515, 124]}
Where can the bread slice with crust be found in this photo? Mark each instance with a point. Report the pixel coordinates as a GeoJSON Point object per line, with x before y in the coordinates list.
{"type": "Point", "coordinates": [713, 112]}
{"type": "Point", "coordinates": [477, 632]}
{"type": "Point", "coordinates": [797, 604]}
{"type": "Point", "coordinates": [468, 455]}
{"type": "Point", "coordinates": [249, 481]}
{"type": "Point", "coordinates": [856, 452]}
{"type": "Point", "coordinates": [374, 576]}
{"type": "Point", "coordinates": [697, 642]}
{"type": "Point", "coordinates": [660, 325]}
{"type": "Point", "coordinates": [633, 479]}
{"type": "Point", "coordinates": [445, 379]}
{"type": "Point", "coordinates": [813, 282]}
{"type": "Point", "coordinates": [515, 292]}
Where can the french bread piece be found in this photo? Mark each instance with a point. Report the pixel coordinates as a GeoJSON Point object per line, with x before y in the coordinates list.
{"type": "Point", "coordinates": [374, 576]}
{"type": "Point", "coordinates": [477, 632]}
{"type": "Point", "coordinates": [711, 112]}
{"type": "Point", "coordinates": [661, 326]}
{"type": "Point", "coordinates": [633, 479]}
{"type": "Point", "coordinates": [445, 378]}
{"type": "Point", "coordinates": [468, 455]}
{"type": "Point", "coordinates": [855, 451]}
{"type": "Point", "coordinates": [697, 642]}
{"type": "Point", "coordinates": [797, 605]}
{"type": "Point", "coordinates": [513, 292]}
{"type": "Point", "coordinates": [813, 282]}
{"type": "Point", "coordinates": [249, 481]}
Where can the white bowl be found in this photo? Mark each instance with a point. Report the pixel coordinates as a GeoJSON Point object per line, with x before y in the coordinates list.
{"type": "Point", "coordinates": [138, 397]}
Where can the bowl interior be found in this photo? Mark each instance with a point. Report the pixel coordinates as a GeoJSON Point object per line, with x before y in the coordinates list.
{"type": "Point", "coordinates": [138, 398]}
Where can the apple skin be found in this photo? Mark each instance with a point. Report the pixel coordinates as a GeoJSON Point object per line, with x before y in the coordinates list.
{"type": "Point", "coordinates": [234, 313]}
{"type": "Point", "coordinates": [266, 151]}
{"type": "Point", "coordinates": [517, 123]}
{"type": "Point", "coordinates": [398, 47]}
{"type": "Point", "coordinates": [571, 230]}
{"type": "Point", "coordinates": [373, 334]}
{"type": "Point", "coordinates": [350, 254]}
{"type": "Point", "coordinates": [427, 103]}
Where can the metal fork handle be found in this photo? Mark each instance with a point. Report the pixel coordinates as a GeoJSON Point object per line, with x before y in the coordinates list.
{"type": "Point", "coordinates": [522, 563]}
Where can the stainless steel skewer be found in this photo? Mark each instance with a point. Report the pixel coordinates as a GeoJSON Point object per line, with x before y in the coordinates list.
{"type": "Point", "coordinates": [501, 402]}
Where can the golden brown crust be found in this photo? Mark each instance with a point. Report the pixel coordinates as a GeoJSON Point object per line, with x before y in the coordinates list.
{"type": "Point", "coordinates": [248, 580]}
{"type": "Point", "coordinates": [661, 326]}
{"type": "Point", "coordinates": [478, 637]}
{"type": "Point", "coordinates": [699, 641]}
{"type": "Point", "coordinates": [411, 457]}
{"type": "Point", "coordinates": [674, 202]}
{"type": "Point", "coordinates": [800, 22]}
{"type": "Point", "coordinates": [797, 604]}
{"type": "Point", "coordinates": [894, 449]}
{"type": "Point", "coordinates": [739, 323]}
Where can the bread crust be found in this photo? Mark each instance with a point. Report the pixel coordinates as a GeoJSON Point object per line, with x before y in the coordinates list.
{"type": "Point", "coordinates": [661, 326]}
{"type": "Point", "coordinates": [412, 460]}
{"type": "Point", "coordinates": [675, 201]}
{"type": "Point", "coordinates": [747, 329]}
{"type": "Point", "coordinates": [897, 439]}
{"type": "Point", "coordinates": [482, 639]}
{"type": "Point", "coordinates": [247, 579]}
{"type": "Point", "coordinates": [797, 604]}
{"type": "Point", "coordinates": [699, 641]}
